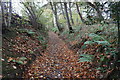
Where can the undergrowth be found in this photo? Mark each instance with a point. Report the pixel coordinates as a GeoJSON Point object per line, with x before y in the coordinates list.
{"type": "Point", "coordinates": [20, 48]}
{"type": "Point", "coordinates": [96, 44]}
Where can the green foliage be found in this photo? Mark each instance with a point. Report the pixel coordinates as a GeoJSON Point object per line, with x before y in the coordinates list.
{"type": "Point", "coordinates": [101, 28]}
{"type": "Point", "coordinates": [31, 52]}
{"type": "Point", "coordinates": [118, 61]}
{"type": "Point", "coordinates": [96, 37]}
{"type": "Point", "coordinates": [34, 11]}
{"type": "Point", "coordinates": [98, 42]}
{"type": "Point", "coordinates": [83, 47]}
{"type": "Point", "coordinates": [76, 18]}
{"type": "Point", "coordinates": [103, 57]}
{"type": "Point", "coordinates": [54, 29]}
{"type": "Point", "coordinates": [70, 36]}
{"type": "Point", "coordinates": [115, 9]}
{"type": "Point", "coordinates": [30, 32]}
{"type": "Point", "coordinates": [20, 60]}
{"type": "Point", "coordinates": [22, 30]}
{"type": "Point", "coordinates": [86, 58]}
{"type": "Point", "coordinates": [77, 28]}
{"type": "Point", "coordinates": [61, 20]}
{"type": "Point", "coordinates": [88, 42]}
{"type": "Point", "coordinates": [42, 40]}
{"type": "Point", "coordinates": [103, 42]}
{"type": "Point", "coordinates": [65, 33]}
{"type": "Point", "coordinates": [43, 19]}
{"type": "Point", "coordinates": [46, 18]}
{"type": "Point", "coordinates": [103, 60]}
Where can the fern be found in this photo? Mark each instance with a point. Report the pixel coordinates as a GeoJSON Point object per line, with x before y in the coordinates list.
{"type": "Point", "coordinates": [20, 60]}
{"type": "Point", "coordinates": [88, 42]}
{"type": "Point", "coordinates": [96, 37]}
{"type": "Point", "coordinates": [103, 42]}
{"type": "Point", "coordinates": [98, 42]}
{"type": "Point", "coordinates": [54, 29]}
{"type": "Point", "coordinates": [86, 58]}
{"type": "Point", "coordinates": [31, 32]}
{"type": "Point", "coordinates": [26, 31]}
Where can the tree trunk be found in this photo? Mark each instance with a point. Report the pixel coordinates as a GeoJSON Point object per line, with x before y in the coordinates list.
{"type": "Point", "coordinates": [80, 15]}
{"type": "Point", "coordinates": [118, 24]}
{"type": "Point", "coordinates": [54, 21]}
{"type": "Point", "coordinates": [2, 10]}
{"type": "Point", "coordinates": [4, 22]}
{"type": "Point", "coordinates": [1, 18]}
{"type": "Point", "coordinates": [35, 19]}
{"type": "Point", "coordinates": [62, 10]}
{"type": "Point", "coordinates": [54, 10]}
{"type": "Point", "coordinates": [33, 16]}
{"type": "Point", "coordinates": [10, 13]}
{"type": "Point", "coordinates": [67, 17]}
{"type": "Point", "coordinates": [70, 13]}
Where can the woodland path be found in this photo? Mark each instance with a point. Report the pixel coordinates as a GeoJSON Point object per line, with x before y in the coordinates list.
{"type": "Point", "coordinates": [57, 62]}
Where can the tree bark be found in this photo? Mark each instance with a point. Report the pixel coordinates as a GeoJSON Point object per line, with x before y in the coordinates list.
{"type": "Point", "coordinates": [1, 18]}
{"type": "Point", "coordinates": [67, 17]}
{"type": "Point", "coordinates": [2, 11]}
{"type": "Point", "coordinates": [55, 17]}
{"type": "Point", "coordinates": [78, 11]}
{"type": "Point", "coordinates": [33, 16]}
{"type": "Point", "coordinates": [118, 24]}
{"type": "Point", "coordinates": [10, 13]}
{"type": "Point", "coordinates": [4, 21]}
{"type": "Point", "coordinates": [70, 13]}
{"type": "Point", "coordinates": [62, 10]}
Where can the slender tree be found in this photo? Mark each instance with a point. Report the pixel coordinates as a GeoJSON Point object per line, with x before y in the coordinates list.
{"type": "Point", "coordinates": [78, 11]}
{"type": "Point", "coordinates": [71, 18]}
{"type": "Point", "coordinates": [118, 24]}
{"type": "Point", "coordinates": [10, 13]}
{"type": "Point", "coordinates": [62, 8]}
{"type": "Point", "coordinates": [68, 20]}
{"type": "Point", "coordinates": [1, 20]}
{"type": "Point", "coordinates": [115, 10]}
{"type": "Point", "coordinates": [54, 10]}
{"type": "Point", "coordinates": [32, 16]}
{"type": "Point", "coordinates": [4, 9]}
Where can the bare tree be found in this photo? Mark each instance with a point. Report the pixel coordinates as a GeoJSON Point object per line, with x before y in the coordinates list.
{"type": "Point", "coordinates": [70, 13]}
{"type": "Point", "coordinates": [4, 10]}
{"type": "Point", "coordinates": [62, 8]}
{"type": "Point", "coordinates": [1, 20]}
{"type": "Point", "coordinates": [10, 13]}
{"type": "Point", "coordinates": [54, 10]}
{"type": "Point", "coordinates": [78, 11]}
{"type": "Point", "coordinates": [67, 17]}
{"type": "Point", "coordinates": [31, 13]}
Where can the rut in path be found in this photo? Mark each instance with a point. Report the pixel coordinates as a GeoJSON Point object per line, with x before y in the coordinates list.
{"type": "Point", "coordinates": [57, 62]}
